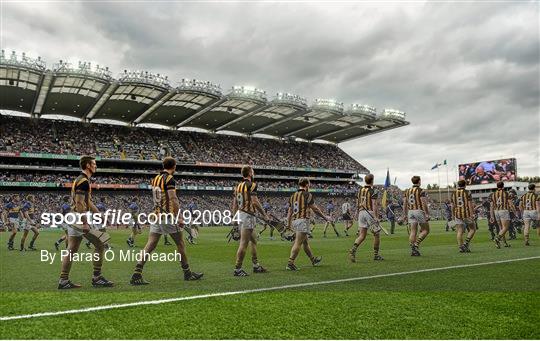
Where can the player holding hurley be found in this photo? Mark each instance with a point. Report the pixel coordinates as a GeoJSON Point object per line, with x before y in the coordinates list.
{"type": "Point", "coordinates": [166, 204]}
{"type": "Point", "coordinates": [368, 213]}
{"type": "Point", "coordinates": [417, 214]}
{"type": "Point", "coordinates": [530, 211]}
{"type": "Point", "coordinates": [500, 212]}
{"type": "Point", "coordinates": [246, 203]}
{"type": "Point", "coordinates": [81, 198]}
{"type": "Point", "coordinates": [301, 204]}
{"type": "Point", "coordinates": [463, 215]}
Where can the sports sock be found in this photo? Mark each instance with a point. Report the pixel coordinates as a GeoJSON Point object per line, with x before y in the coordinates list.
{"type": "Point", "coordinates": [467, 241]}
{"type": "Point", "coordinates": [64, 277]}
{"type": "Point", "coordinates": [185, 267]}
{"type": "Point", "coordinates": [419, 240]}
{"type": "Point", "coordinates": [354, 247]}
{"type": "Point", "coordinates": [376, 251]}
{"type": "Point", "coordinates": [138, 269]}
{"type": "Point", "coordinates": [97, 271]}
{"type": "Point", "coordinates": [291, 261]}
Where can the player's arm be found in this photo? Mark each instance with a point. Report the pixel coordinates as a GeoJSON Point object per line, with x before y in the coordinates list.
{"type": "Point", "coordinates": [492, 211]}
{"type": "Point", "coordinates": [471, 208]}
{"type": "Point", "coordinates": [538, 204]}
{"type": "Point", "coordinates": [318, 211]}
{"type": "Point", "coordinates": [257, 205]}
{"type": "Point", "coordinates": [175, 204]}
{"type": "Point", "coordinates": [405, 208]}
{"type": "Point", "coordinates": [234, 206]}
{"type": "Point", "coordinates": [425, 208]}
{"type": "Point", "coordinates": [4, 217]}
{"type": "Point", "coordinates": [375, 203]}
{"type": "Point", "coordinates": [80, 207]}
{"type": "Point", "coordinates": [289, 216]}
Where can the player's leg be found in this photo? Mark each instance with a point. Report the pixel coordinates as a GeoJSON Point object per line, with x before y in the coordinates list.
{"type": "Point", "coordinates": [97, 278]}
{"type": "Point", "coordinates": [526, 230]}
{"type": "Point", "coordinates": [151, 243]}
{"type": "Point", "coordinates": [166, 240]}
{"type": "Point", "coordinates": [35, 231]}
{"type": "Point", "coordinates": [23, 239]}
{"type": "Point", "coordinates": [261, 231]}
{"type": "Point", "coordinates": [307, 249]}
{"type": "Point", "coordinates": [14, 226]}
{"type": "Point", "coordinates": [257, 268]}
{"type": "Point", "coordinates": [245, 237]}
{"type": "Point", "coordinates": [424, 231]}
{"type": "Point", "coordinates": [272, 228]}
{"type": "Point", "coordinates": [392, 225]}
{"type": "Point", "coordinates": [181, 249]}
{"type": "Point", "coordinates": [472, 231]}
{"type": "Point", "coordinates": [459, 235]}
{"type": "Point", "coordinates": [325, 228]}
{"type": "Point", "coordinates": [377, 246]}
{"type": "Point", "coordinates": [359, 240]}
{"type": "Point", "coordinates": [74, 241]}
{"type": "Point", "coordinates": [295, 250]}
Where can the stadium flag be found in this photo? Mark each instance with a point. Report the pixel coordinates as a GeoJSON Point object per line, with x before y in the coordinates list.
{"type": "Point", "coordinates": [436, 166]}
{"type": "Point", "coordinates": [444, 163]}
{"type": "Point", "coordinates": [384, 201]}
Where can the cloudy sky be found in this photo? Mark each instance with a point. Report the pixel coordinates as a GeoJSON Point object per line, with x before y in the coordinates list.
{"type": "Point", "coordinates": [466, 74]}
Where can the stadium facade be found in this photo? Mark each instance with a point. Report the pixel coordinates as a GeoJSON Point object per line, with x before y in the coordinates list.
{"type": "Point", "coordinates": [283, 137]}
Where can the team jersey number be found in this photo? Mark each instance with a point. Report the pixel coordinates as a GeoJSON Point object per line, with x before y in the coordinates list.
{"type": "Point", "coordinates": [528, 204]}
{"type": "Point", "coordinates": [240, 199]}
{"type": "Point", "coordinates": [460, 202]}
{"type": "Point", "coordinates": [156, 196]}
{"type": "Point", "coordinates": [412, 200]}
{"type": "Point", "coordinates": [295, 207]}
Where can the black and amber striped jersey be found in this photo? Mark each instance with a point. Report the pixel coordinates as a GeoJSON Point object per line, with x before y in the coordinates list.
{"type": "Point", "coordinates": [461, 204]}
{"type": "Point", "coordinates": [528, 201]}
{"type": "Point", "coordinates": [299, 202]}
{"type": "Point", "coordinates": [365, 197]}
{"type": "Point", "coordinates": [500, 199]}
{"type": "Point", "coordinates": [243, 193]}
{"type": "Point", "coordinates": [161, 185]}
{"type": "Point", "coordinates": [81, 186]}
{"type": "Point", "coordinates": [413, 197]}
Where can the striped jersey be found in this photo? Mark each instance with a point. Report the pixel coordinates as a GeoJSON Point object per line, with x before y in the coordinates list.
{"type": "Point", "coordinates": [413, 197]}
{"type": "Point", "coordinates": [461, 200]}
{"type": "Point", "coordinates": [365, 197]}
{"type": "Point", "coordinates": [500, 199]}
{"type": "Point", "coordinates": [243, 193]}
{"type": "Point", "coordinates": [161, 184]}
{"type": "Point", "coordinates": [528, 200]}
{"type": "Point", "coordinates": [81, 186]}
{"type": "Point", "coordinates": [299, 203]}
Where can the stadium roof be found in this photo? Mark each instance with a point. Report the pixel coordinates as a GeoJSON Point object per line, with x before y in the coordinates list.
{"type": "Point", "coordinates": [139, 97]}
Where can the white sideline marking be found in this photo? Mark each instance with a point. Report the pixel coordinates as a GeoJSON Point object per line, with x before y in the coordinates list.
{"type": "Point", "coordinates": [248, 291]}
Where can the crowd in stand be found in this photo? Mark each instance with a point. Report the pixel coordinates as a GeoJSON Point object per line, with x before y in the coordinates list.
{"type": "Point", "coordinates": [120, 142]}
{"type": "Point", "coordinates": [9, 176]}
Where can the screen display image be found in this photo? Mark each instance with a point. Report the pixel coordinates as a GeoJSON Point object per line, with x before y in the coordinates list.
{"type": "Point", "coordinates": [485, 172]}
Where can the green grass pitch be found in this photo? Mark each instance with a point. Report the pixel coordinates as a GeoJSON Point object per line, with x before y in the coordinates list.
{"type": "Point", "coordinates": [497, 301]}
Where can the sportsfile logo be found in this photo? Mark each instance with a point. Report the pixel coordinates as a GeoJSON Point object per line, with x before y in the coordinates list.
{"type": "Point", "coordinates": [112, 217]}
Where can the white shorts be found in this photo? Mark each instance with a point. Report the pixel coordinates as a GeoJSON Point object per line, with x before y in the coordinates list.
{"type": "Point", "coordinates": [417, 216]}
{"type": "Point", "coordinates": [164, 228]}
{"type": "Point", "coordinates": [365, 219]}
{"type": "Point", "coordinates": [14, 222]}
{"type": "Point", "coordinates": [246, 221]}
{"type": "Point", "coordinates": [464, 221]}
{"type": "Point", "coordinates": [529, 215]}
{"type": "Point", "coordinates": [26, 225]}
{"type": "Point", "coordinates": [301, 225]}
{"type": "Point", "coordinates": [75, 230]}
{"type": "Point", "coordinates": [502, 215]}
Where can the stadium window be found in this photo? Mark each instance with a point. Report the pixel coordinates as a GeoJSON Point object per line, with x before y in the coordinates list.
{"type": "Point", "coordinates": [11, 82]}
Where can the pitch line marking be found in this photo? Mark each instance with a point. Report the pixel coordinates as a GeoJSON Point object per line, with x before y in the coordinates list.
{"type": "Point", "coordinates": [249, 291]}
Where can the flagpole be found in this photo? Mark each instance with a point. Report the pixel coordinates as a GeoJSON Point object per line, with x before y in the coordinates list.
{"type": "Point", "coordinates": [447, 185]}
{"type": "Point", "coordinates": [439, 185]}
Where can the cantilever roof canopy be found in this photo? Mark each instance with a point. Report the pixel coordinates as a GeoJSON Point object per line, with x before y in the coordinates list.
{"type": "Point", "coordinates": [138, 97]}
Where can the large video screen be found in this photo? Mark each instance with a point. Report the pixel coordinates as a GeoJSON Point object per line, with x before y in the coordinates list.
{"type": "Point", "coordinates": [485, 172]}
